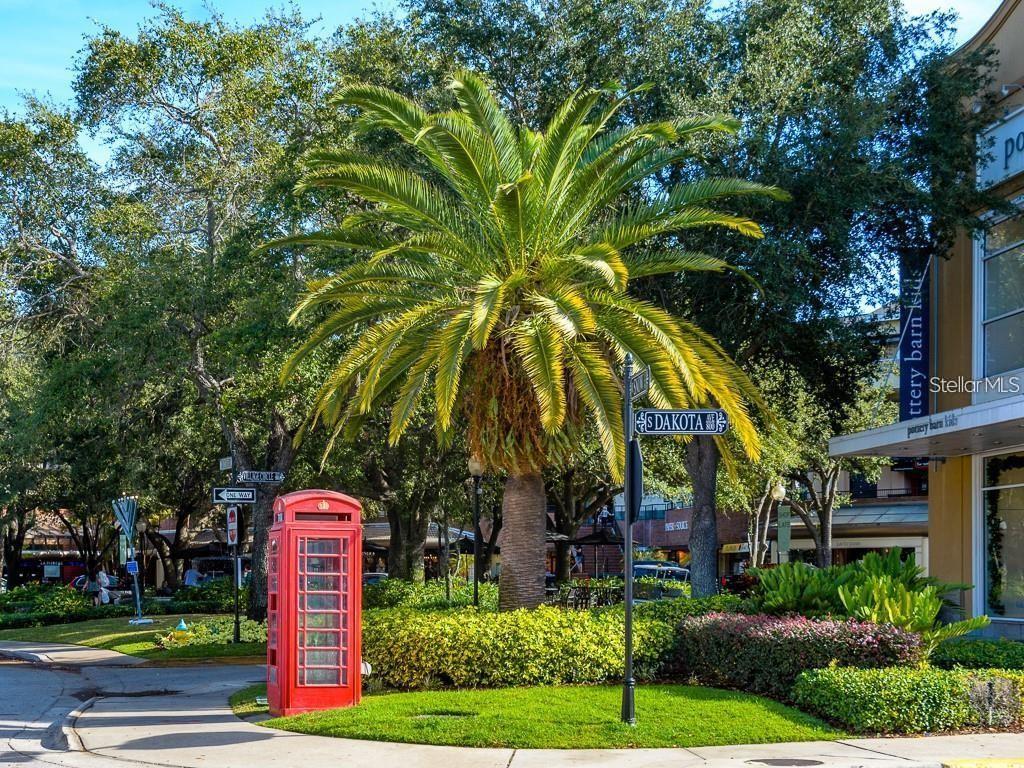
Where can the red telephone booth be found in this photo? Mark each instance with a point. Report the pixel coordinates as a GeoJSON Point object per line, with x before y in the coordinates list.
{"type": "Point", "coordinates": [314, 593]}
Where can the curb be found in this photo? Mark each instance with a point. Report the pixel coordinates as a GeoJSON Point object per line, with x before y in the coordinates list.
{"type": "Point", "coordinates": [67, 727]}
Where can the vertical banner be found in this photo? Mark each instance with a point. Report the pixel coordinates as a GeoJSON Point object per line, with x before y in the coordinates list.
{"type": "Point", "coordinates": [914, 336]}
{"type": "Point", "coordinates": [785, 522]}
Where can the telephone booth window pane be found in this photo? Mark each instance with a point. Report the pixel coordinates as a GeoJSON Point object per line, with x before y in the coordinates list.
{"type": "Point", "coordinates": [321, 603]}
{"type": "Point", "coordinates": [323, 658]}
{"type": "Point", "coordinates": [316, 676]}
{"type": "Point", "coordinates": [320, 583]}
{"type": "Point", "coordinates": [322, 621]}
{"type": "Point", "coordinates": [323, 571]}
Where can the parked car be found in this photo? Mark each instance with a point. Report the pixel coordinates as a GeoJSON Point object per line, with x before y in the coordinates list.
{"type": "Point", "coordinates": [118, 591]}
{"type": "Point", "coordinates": [373, 578]}
{"type": "Point", "coordinates": [659, 569]}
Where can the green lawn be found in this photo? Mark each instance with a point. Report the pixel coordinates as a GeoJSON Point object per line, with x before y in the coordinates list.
{"type": "Point", "coordinates": [118, 635]}
{"type": "Point", "coordinates": [567, 717]}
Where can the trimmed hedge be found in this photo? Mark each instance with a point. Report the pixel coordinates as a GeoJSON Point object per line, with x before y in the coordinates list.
{"type": "Point", "coordinates": [213, 596]}
{"type": "Point", "coordinates": [765, 654]}
{"type": "Point", "coordinates": [911, 700]}
{"type": "Point", "coordinates": [44, 618]}
{"type": "Point", "coordinates": [415, 649]}
{"type": "Point", "coordinates": [396, 593]}
{"type": "Point", "coordinates": [979, 654]}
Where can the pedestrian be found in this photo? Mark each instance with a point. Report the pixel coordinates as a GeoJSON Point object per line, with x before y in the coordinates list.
{"type": "Point", "coordinates": [192, 577]}
{"type": "Point", "coordinates": [104, 581]}
{"type": "Point", "coordinates": [92, 587]}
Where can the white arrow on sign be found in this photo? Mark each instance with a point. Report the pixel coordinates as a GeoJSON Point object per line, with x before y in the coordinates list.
{"type": "Point", "coordinates": [653, 421]}
{"type": "Point", "coordinates": [234, 495]}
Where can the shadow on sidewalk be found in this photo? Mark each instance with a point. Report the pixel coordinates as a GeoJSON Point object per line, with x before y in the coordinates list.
{"type": "Point", "coordinates": [193, 739]}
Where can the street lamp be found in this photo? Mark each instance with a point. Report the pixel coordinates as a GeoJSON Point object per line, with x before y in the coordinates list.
{"type": "Point", "coordinates": [778, 491]}
{"type": "Point", "coordinates": [476, 469]}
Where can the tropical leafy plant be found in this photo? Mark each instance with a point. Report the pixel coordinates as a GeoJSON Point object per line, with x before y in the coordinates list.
{"type": "Point", "coordinates": [883, 599]}
{"type": "Point", "coordinates": [493, 279]}
{"type": "Point", "coordinates": [799, 588]}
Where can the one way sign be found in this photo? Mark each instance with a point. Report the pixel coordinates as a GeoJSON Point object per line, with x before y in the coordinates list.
{"type": "Point", "coordinates": [234, 495]}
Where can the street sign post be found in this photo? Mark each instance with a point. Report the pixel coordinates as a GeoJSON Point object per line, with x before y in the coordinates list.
{"type": "Point", "coordinates": [234, 495]}
{"type": "Point", "coordinates": [232, 528]}
{"type": "Point", "coordinates": [648, 421]}
{"type": "Point", "coordinates": [126, 510]}
{"type": "Point", "coordinates": [652, 421]}
{"type": "Point", "coordinates": [258, 476]}
{"type": "Point", "coordinates": [630, 497]}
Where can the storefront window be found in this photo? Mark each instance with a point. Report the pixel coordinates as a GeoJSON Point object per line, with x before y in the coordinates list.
{"type": "Point", "coordinates": [1003, 309]}
{"type": "Point", "coordinates": [1003, 507]}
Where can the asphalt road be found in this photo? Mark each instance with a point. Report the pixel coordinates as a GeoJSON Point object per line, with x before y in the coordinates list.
{"type": "Point", "coordinates": [35, 699]}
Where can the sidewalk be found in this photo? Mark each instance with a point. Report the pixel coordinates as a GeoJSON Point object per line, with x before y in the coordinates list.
{"type": "Point", "coordinates": [66, 655]}
{"type": "Point", "coordinates": [199, 730]}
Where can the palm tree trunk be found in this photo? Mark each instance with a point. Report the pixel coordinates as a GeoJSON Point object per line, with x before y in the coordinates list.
{"type": "Point", "coordinates": [522, 543]}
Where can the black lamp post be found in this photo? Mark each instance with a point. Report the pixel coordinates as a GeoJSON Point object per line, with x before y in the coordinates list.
{"type": "Point", "coordinates": [476, 469]}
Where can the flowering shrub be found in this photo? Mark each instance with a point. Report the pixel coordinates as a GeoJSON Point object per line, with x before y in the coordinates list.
{"type": "Point", "coordinates": [764, 654]}
{"type": "Point", "coordinates": [214, 632]}
{"type": "Point", "coordinates": [911, 700]}
{"type": "Point", "coordinates": [415, 649]}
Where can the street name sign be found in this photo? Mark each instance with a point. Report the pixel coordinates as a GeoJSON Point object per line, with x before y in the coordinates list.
{"type": "Point", "coordinates": [234, 495]}
{"type": "Point", "coordinates": [653, 421]}
{"type": "Point", "coordinates": [232, 526]}
{"type": "Point", "coordinates": [227, 464]}
{"type": "Point", "coordinates": [640, 383]}
{"type": "Point", "coordinates": [257, 476]}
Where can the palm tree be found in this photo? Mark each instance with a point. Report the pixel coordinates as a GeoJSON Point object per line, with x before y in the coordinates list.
{"type": "Point", "coordinates": [494, 284]}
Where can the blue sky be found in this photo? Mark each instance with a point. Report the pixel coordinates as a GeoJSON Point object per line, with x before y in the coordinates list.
{"type": "Point", "coordinates": [39, 38]}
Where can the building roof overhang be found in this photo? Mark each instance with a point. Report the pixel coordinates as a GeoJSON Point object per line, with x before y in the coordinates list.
{"type": "Point", "coordinates": [958, 432]}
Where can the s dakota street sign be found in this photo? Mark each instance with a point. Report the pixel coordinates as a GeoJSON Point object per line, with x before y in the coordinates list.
{"type": "Point", "coordinates": [234, 495]}
{"type": "Point", "coordinates": [653, 421]}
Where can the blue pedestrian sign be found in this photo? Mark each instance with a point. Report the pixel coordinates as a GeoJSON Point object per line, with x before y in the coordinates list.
{"type": "Point", "coordinates": [132, 567]}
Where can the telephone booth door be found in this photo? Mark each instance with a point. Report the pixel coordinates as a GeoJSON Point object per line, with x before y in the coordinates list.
{"type": "Point", "coordinates": [314, 594]}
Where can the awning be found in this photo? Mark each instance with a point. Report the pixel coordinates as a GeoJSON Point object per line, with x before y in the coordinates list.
{"type": "Point", "coordinates": [959, 432]}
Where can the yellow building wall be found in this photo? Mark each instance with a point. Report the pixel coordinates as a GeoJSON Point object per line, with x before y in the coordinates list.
{"type": "Point", "coordinates": [949, 522]}
{"type": "Point", "coordinates": [950, 491]}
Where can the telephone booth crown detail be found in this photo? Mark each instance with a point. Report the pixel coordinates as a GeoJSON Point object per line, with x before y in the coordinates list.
{"type": "Point", "coordinates": [314, 592]}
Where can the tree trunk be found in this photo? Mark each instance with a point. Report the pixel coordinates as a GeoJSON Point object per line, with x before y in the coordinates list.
{"type": "Point", "coordinates": [563, 561]}
{"type": "Point", "coordinates": [13, 544]}
{"type": "Point", "coordinates": [521, 584]}
{"type": "Point", "coordinates": [702, 466]}
{"type": "Point", "coordinates": [408, 543]}
{"type": "Point", "coordinates": [163, 551]}
{"type": "Point", "coordinates": [262, 512]}
{"type": "Point", "coordinates": [824, 554]}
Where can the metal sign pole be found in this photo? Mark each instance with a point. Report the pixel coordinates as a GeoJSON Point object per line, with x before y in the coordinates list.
{"type": "Point", "coordinates": [628, 681]}
{"type": "Point", "coordinates": [238, 587]}
{"type": "Point", "coordinates": [135, 583]}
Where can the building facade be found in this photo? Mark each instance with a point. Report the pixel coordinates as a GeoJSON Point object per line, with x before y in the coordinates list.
{"type": "Point", "coordinates": [972, 430]}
